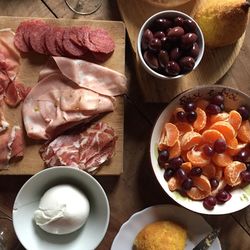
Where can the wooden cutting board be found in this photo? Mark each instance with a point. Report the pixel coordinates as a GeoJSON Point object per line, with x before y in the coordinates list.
{"type": "Point", "coordinates": [214, 65]}
{"type": "Point", "coordinates": [30, 68]}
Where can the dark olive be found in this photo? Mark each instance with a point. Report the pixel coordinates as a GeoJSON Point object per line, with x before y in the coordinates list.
{"type": "Point", "coordinates": [146, 38]}
{"type": "Point", "coordinates": [166, 43]}
{"type": "Point", "coordinates": [189, 25]}
{"type": "Point", "coordinates": [175, 54]}
{"type": "Point", "coordinates": [159, 34]}
{"type": "Point", "coordinates": [155, 45]}
{"type": "Point", "coordinates": [194, 51]}
{"type": "Point", "coordinates": [162, 24]}
{"type": "Point", "coordinates": [187, 63]}
{"type": "Point", "coordinates": [178, 21]}
{"type": "Point", "coordinates": [173, 68]}
{"type": "Point", "coordinates": [163, 58]}
{"type": "Point", "coordinates": [188, 39]}
{"type": "Point", "coordinates": [151, 59]}
{"type": "Point", "coordinates": [175, 32]}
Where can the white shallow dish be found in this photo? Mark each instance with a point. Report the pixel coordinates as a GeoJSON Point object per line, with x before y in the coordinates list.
{"type": "Point", "coordinates": [233, 99]}
{"type": "Point", "coordinates": [197, 227]}
{"type": "Point", "coordinates": [87, 237]}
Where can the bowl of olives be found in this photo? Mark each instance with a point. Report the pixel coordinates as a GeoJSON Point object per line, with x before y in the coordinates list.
{"type": "Point", "coordinates": [170, 44]}
{"type": "Point", "coordinates": [200, 149]}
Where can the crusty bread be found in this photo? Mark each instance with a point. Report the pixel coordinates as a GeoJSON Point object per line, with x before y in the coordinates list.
{"type": "Point", "coordinates": [222, 22]}
{"type": "Point", "coordinates": [161, 235]}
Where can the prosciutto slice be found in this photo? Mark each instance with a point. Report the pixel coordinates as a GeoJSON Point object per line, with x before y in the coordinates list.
{"type": "Point", "coordinates": [86, 150]}
{"type": "Point", "coordinates": [69, 92]}
{"type": "Point", "coordinates": [11, 146]}
{"type": "Point", "coordinates": [3, 123]}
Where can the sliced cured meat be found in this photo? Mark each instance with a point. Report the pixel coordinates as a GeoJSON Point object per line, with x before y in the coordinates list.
{"type": "Point", "coordinates": [37, 38]}
{"type": "Point", "coordinates": [59, 41]}
{"type": "Point", "coordinates": [102, 41]}
{"type": "Point", "coordinates": [3, 123]}
{"type": "Point", "coordinates": [15, 93]}
{"type": "Point", "coordinates": [76, 42]}
{"type": "Point", "coordinates": [16, 143]}
{"type": "Point", "coordinates": [71, 48]}
{"type": "Point", "coordinates": [19, 40]}
{"type": "Point", "coordinates": [4, 81]}
{"type": "Point", "coordinates": [69, 92]}
{"type": "Point", "coordinates": [92, 76]}
{"type": "Point", "coordinates": [10, 53]}
{"type": "Point", "coordinates": [50, 42]}
{"type": "Point", "coordinates": [11, 146]}
{"type": "Point", "coordinates": [87, 149]}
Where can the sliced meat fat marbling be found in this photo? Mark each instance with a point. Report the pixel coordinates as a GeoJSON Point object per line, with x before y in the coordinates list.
{"type": "Point", "coordinates": [11, 146]}
{"type": "Point", "coordinates": [3, 122]}
{"type": "Point", "coordinates": [87, 149]}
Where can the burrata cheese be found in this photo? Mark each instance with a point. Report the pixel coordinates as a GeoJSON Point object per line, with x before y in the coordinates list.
{"type": "Point", "coordinates": [62, 209]}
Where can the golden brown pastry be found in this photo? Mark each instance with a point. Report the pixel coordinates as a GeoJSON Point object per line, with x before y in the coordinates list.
{"type": "Point", "coordinates": [161, 235]}
{"type": "Point", "coordinates": [222, 21]}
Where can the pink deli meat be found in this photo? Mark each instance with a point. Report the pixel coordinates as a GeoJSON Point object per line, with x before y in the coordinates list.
{"type": "Point", "coordinates": [69, 92]}
{"type": "Point", "coordinates": [86, 150]}
{"type": "Point", "coordinates": [11, 146]}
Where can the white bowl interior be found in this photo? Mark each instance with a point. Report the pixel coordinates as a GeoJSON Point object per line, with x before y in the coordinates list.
{"type": "Point", "coordinates": [87, 237]}
{"type": "Point", "coordinates": [233, 99]}
{"type": "Point", "coordinates": [169, 14]}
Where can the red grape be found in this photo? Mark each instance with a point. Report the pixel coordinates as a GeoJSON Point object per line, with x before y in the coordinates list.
{"type": "Point", "coordinates": [217, 100]}
{"type": "Point", "coordinates": [196, 171]}
{"type": "Point", "coordinates": [242, 155]}
{"type": "Point", "coordinates": [245, 175]}
{"type": "Point", "coordinates": [163, 158]}
{"type": "Point", "coordinates": [213, 109]}
{"type": "Point", "coordinates": [187, 184]}
{"type": "Point", "coordinates": [176, 162]}
{"type": "Point", "coordinates": [223, 196]}
{"type": "Point", "coordinates": [190, 106]}
{"type": "Point", "coordinates": [191, 116]}
{"type": "Point", "coordinates": [181, 116]}
{"type": "Point", "coordinates": [169, 172]}
{"type": "Point", "coordinates": [181, 173]}
{"type": "Point", "coordinates": [208, 150]}
{"type": "Point", "coordinates": [220, 146]}
{"type": "Point", "coordinates": [209, 202]}
{"type": "Point", "coordinates": [214, 183]}
{"type": "Point", "coordinates": [243, 112]}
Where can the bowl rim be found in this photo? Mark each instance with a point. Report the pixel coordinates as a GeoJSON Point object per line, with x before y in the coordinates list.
{"type": "Point", "coordinates": [145, 24]}
{"type": "Point", "coordinates": [72, 169]}
{"type": "Point", "coordinates": [220, 87]}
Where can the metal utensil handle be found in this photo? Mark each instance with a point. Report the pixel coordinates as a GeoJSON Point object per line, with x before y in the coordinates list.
{"type": "Point", "coordinates": [84, 13]}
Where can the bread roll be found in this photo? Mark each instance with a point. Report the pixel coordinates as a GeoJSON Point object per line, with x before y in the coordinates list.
{"type": "Point", "coordinates": [161, 235]}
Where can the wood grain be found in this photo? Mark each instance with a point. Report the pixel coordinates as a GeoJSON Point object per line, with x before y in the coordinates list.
{"type": "Point", "coordinates": [214, 65]}
{"type": "Point", "coordinates": [30, 68]}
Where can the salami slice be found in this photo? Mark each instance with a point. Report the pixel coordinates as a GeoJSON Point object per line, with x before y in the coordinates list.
{"type": "Point", "coordinates": [37, 38]}
{"type": "Point", "coordinates": [102, 41]}
{"type": "Point", "coordinates": [59, 41]}
{"type": "Point", "coordinates": [19, 40]}
{"type": "Point", "coordinates": [71, 48]}
{"type": "Point", "coordinates": [50, 41]}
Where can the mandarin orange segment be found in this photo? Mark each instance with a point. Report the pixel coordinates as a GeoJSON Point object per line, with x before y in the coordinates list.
{"type": "Point", "coordinates": [219, 117]}
{"type": "Point", "coordinates": [202, 182]}
{"type": "Point", "coordinates": [211, 135]}
{"type": "Point", "coordinates": [233, 143]}
{"type": "Point", "coordinates": [183, 127]}
{"type": "Point", "coordinates": [196, 194]}
{"type": "Point", "coordinates": [219, 173]}
{"type": "Point", "coordinates": [202, 103]}
{"type": "Point", "coordinates": [169, 136]}
{"type": "Point", "coordinates": [189, 140]}
{"type": "Point", "coordinates": [201, 119]}
{"type": "Point", "coordinates": [175, 151]}
{"type": "Point", "coordinates": [235, 151]}
{"type": "Point", "coordinates": [244, 132]}
{"type": "Point", "coordinates": [232, 173]}
{"type": "Point", "coordinates": [209, 170]}
{"type": "Point", "coordinates": [197, 158]}
{"type": "Point", "coordinates": [235, 119]}
{"type": "Point", "coordinates": [222, 160]}
{"type": "Point", "coordinates": [224, 128]}
{"type": "Point", "coordinates": [186, 166]}
{"type": "Point", "coordinates": [174, 183]}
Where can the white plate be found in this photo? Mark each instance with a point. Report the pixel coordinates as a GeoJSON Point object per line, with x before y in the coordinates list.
{"type": "Point", "coordinates": [233, 99]}
{"type": "Point", "coordinates": [197, 227]}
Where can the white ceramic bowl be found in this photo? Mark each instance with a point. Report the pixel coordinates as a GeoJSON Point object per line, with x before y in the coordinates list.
{"type": "Point", "coordinates": [87, 237]}
{"type": "Point", "coordinates": [168, 14]}
{"type": "Point", "coordinates": [233, 99]}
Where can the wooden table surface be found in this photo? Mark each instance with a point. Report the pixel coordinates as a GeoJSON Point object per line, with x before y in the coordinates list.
{"type": "Point", "coordinates": [136, 188]}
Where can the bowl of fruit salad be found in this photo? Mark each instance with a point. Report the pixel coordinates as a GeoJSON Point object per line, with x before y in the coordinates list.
{"type": "Point", "coordinates": [170, 44]}
{"type": "Point", "coordinates": [200, 149]}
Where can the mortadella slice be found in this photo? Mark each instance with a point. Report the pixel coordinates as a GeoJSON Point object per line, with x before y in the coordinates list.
{"type": "Point", "coordinates": [69, 92]}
